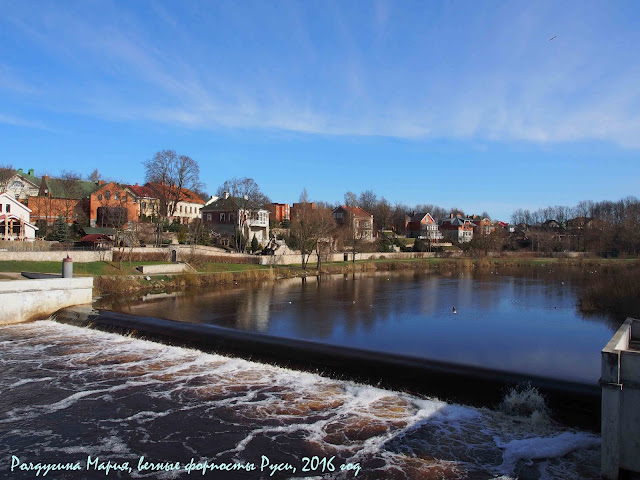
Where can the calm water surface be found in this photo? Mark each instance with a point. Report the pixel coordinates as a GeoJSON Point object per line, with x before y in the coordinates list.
{"type": "Point", "coordinates": [525, 322]}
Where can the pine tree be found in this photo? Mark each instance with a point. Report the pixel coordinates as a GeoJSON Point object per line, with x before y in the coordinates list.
{"type": "Point", "coordinates": [60, 230]}
{"type": "Point", "coordinates": [254, 243]}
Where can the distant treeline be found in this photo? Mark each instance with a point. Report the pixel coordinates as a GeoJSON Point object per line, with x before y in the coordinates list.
{"type": "Point", "coordinates": [604, 227]}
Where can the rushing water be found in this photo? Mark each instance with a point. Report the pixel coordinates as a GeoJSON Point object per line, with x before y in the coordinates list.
{"type": "Point", "coordinates": [525, 322]}
{"type": "Point", "coordinates": [67, 393]}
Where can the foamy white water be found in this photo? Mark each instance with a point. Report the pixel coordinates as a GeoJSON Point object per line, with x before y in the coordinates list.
{"type": "Point", "coordinates": [70, 392]}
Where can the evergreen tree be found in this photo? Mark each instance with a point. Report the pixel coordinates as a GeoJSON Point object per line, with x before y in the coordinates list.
{"type": "Point", "coordinates": [254, 244]}
{"type": "Point", "coordinates": [60, 230]}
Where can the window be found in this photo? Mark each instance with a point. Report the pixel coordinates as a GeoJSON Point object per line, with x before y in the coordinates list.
{"type": "Point", "coordinates": [117, 195]}
{"type": "Point", "coordinates": [143, 205]}
{"type": "Point", "coordinates": [107, 194]}
{"type": "Point", "coordinates": [222, 217]}
{"type": "Point", "coordinates": [100, 196]}
{"type": "Point", "coordinates": [0, 207]}
{"type": "Point", "coordinates": [180, 208]}
{"type": "Point", "coordinates": [208, 217]}
{"type": "Point", "coordinates": [8, 208]}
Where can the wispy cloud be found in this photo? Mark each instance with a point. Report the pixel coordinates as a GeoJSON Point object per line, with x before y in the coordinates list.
{"type": "Point", "coordinates": [439, 74]}
{"type": "Point", "coordinates": [21, 122]}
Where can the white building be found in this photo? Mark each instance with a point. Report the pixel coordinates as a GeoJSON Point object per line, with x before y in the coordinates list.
{"type": "Point", "coordinates": [22, 185]}
{"type": "Point", "coordinates": [15, 220]}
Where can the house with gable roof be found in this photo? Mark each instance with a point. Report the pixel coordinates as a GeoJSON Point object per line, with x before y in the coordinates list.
{"type": "Point", "coordinates": [423, 225]}
{"type": "Point", "coordinates": [356, 218]}
{"type": "Point", "coordinates": [22, 185]}
{"type": "Point", "coordinates": [61, 197]}
{"type": "Point", "coordinates": [457, 228]}
{"type": "Point", "coordinates": [15, 219]}
{"type": "Point", "coordinates": [226, 216]}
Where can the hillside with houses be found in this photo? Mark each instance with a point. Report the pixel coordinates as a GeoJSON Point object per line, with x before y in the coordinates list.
{"type": "Point", "coordinates": [97, 213]}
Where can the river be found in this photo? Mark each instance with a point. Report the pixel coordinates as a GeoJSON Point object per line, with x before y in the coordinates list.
{"type": "Point", "coordinates": [96, 402]}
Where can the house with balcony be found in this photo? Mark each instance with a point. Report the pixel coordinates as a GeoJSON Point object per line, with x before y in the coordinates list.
{"type": "Point", "coordinates": [457, 228]}
{"type": "Point", "coordinates": [356, 218]}
{"type": "Point", "coordinates": [229, 215]}
{"type": "Point", "coordinates": [423, 225]}
{"type": "Point", "coordinates": [15, 219]}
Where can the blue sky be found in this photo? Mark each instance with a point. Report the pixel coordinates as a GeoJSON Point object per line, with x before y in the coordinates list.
{"type": "Point", "coordinates": [465, 104]}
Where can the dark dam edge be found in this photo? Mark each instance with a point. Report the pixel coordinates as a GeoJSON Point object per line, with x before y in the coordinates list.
{"type": "Point", "coordinates": [572, 403]}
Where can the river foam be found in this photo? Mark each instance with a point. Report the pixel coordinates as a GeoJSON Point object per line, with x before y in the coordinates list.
{"type": "Point", "coordinates": [69, 392]}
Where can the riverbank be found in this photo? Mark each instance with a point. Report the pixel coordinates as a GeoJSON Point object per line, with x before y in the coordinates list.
{"type": "Point", "coordinates": [617, 290]}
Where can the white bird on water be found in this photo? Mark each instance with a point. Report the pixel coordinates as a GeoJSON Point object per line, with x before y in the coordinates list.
{"type": "Point", "coordinates": [453, 310]}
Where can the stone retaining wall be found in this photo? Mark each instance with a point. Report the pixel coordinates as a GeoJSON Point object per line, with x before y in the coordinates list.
{"type": "Point", "coordinates": [26, 300]}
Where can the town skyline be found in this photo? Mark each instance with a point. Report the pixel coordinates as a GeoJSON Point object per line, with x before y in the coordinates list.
{"type": "Point", "coordinates": [471, 107]}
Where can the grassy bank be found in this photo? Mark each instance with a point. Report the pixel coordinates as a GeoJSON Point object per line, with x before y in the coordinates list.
{"type": "Point", "coordinates": [617, 291]}
{"type": "Point", "coordinates": [84, 269]}
{"type": "Point", "coordinates": [618, 294]}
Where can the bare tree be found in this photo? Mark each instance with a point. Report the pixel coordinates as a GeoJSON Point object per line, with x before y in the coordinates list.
{"type": "Point", "coordinates": [71, 193]}
{"type": "Point", "coordinates": [171, 174]}
{"type": "Point", "coordinates": [6, 173]}
{"type": "Point", "coordinates": [95, 176]}
{"type": "Point", "coordinates": [323, 225]}
{"type": "Point", "coordinates": [302, 228]}
{"type": "Point", "coordinates": [350, 199]}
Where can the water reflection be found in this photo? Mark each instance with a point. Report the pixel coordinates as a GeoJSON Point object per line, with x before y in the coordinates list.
{"type": "Point", "coordinates": [523, 322]}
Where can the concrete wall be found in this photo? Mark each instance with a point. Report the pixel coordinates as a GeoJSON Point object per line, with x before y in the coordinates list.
{"type": "Point", "coordinates": [57, 256]}
{"type": "Point", "coordinates": [620, 381]}
{"type": "Point", "coordinates": [25, 300]}
{"type": "Point", "coordinates": [170, 268]}
{"type": "Point", "coordinates": [296, 259]}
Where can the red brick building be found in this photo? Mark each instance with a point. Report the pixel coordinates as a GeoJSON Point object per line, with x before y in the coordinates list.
{"type": "Point", "coordinates": [279, 212]}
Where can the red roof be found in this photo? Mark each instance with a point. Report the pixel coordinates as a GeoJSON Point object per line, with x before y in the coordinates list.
{"type": "Point", "coordinates": [94, 237]}
{"type": "Point", "coordinates": [141, 191]}
{"type": "Point", "coordinates": [187, 195]}
{"type": "Point", "coordinates": [356, 211]}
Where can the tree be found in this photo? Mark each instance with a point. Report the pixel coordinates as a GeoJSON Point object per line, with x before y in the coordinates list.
{"type": "Point", "coordinates": [254, 244]}
{"type": "Point", "coordinates": [71, 192]}
{"type": "Point", "coordinates": [171, 174]}
{"type": "Point", "coordinates": [311, 229]}
{"type": "Point", "coordinates": [302, 228]}
{"type": "Point", "coordinates": [60, 229]}
{"type": "Point", "coordinates": [248, 198]}
{"type": "Point", "coordinates": [350, 199]}
{"type": "Point", "coordinates": [6, 173]}
{"type": "Point", "coordinates": [95, 176]}
{"type": "Point", "coordinates": [324, 226]}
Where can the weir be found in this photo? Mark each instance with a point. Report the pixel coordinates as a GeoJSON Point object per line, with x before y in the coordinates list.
{"type": "Point", "coordinates": [572, 403]}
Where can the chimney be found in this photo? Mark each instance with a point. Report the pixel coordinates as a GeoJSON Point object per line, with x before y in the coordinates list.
{"type": "Point", "coordinates": [45, 177]}
{"type": "Point", "coordinates": [225, 195]}
{"type": "Point", "coordinates": [451, 214]}
{"type": "Point", "coordinates": [30, 172]}
{"type": "Point", "coordinates": [101, 182]}
{"type": "Point", "coordinates": [20, 170]}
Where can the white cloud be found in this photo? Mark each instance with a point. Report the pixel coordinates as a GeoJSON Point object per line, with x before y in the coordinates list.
{"type": "Point", "coordinates": [510, 84]}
